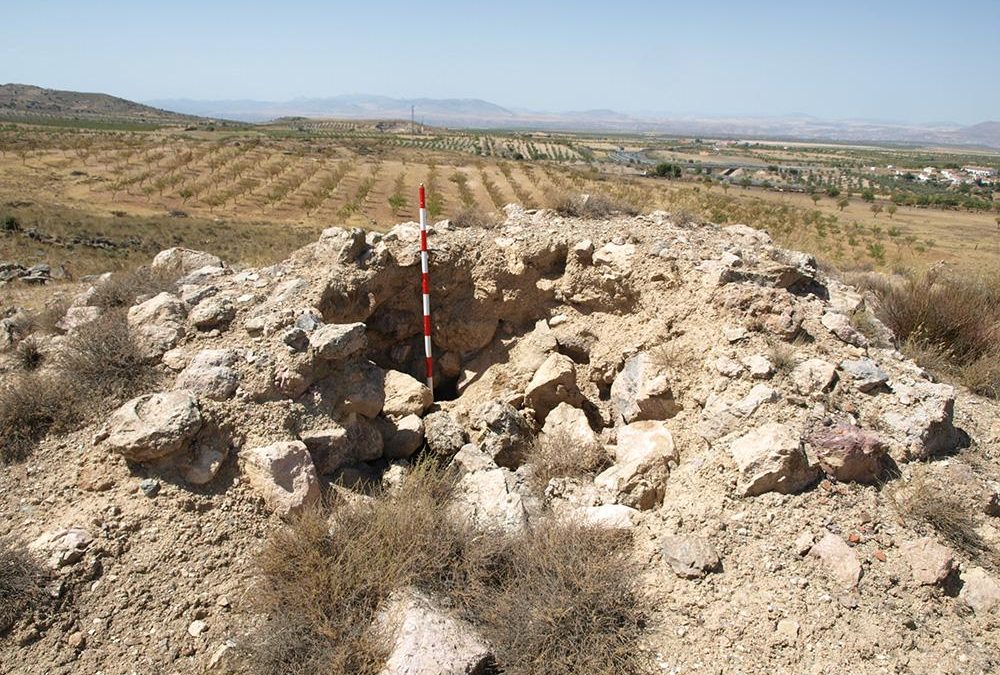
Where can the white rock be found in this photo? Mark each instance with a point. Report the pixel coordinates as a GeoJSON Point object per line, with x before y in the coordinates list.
{"type": "Point", "coordinates": [404, 395]}
{"type": "Point", "coordinates": [771, 459]}
{"type": "Point", "coordinates": [283, 474]}
{"type": "Point", "coordinates": [155, 425]}
{"type": "Point", "coordinates": [158, 324]}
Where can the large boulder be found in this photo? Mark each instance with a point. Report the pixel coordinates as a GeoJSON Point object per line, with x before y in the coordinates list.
{"type": "Point", "coordinates": [848, 453]}
{"type": "Point", "coordinates": [642, 465]}
{"type": "Point", "coordinates": [553, 383]}
{"type": "Point", "coordinates": [337, 342]}
{"type": "Point", "coordinates": [184, 260]}
{"type": "Point", "coordinates": [158, 324]}
{"type": "Point", "coordinates": [153, 426]}
{"type": "Point", "coordinates": [283, 474]}
{"type": "Point", "coordinates": [428, 641]}
{"type": "Point", "coordinates": [404, 395]}
{"type": "Point", "coordinates": [642, 391]}
{"type": "Point", "coordinates": [402, 436]}
{"type": "Point", "coordinates": [210, 374]}
{"type": "Point", "coordinates": [771, 458]}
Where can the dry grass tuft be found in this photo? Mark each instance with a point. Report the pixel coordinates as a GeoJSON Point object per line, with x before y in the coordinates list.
{"type": "Point", "coordinates": [20, 583]}
{"type": "Point", "coordinates": [28, 354]}
{"type": "Point", "coordinates": [924, 503]}
{"type": "Point", "coordinates": [559, 455]}
{"type": "Point", "coordinates": [559, 595]}
{"type": "Point", "coordinates": [473, 217]}
{"type": "Point", "coordinates": [591, 206]}
{"type": "Point", "coordinates": [31, 405]}
{"type": "Point", "coordinates": [782, 356]}
{"type": "Point", "coordinates": [122, 288]}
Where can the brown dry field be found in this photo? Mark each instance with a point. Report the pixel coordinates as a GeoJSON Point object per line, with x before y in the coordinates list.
{"type": "Point", "coordinates": [252, 196]}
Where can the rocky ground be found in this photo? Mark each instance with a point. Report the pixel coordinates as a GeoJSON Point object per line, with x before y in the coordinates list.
{"type": "Point", "coordinates": [768, 444]}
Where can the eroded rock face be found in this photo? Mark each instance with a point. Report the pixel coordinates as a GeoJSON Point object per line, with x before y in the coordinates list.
{"type": "Point", "coordinates": [771, 459]}
{"type": "Point", "coordinates": [504, 433]}
{"type": "Point", "coordinates": [283, 474]}
{"type": "Point", "coordinates": [642, 465]}
{"type": "Point", "coordinates": [155, 425]}
{"type": "Point", "coordinates": [642, 392]}
{"type": "Point", "coordinates": [444, 435]}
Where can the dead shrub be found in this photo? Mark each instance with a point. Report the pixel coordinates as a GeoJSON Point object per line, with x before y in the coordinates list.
{"type": "Point", "coordinates": [952, 324]}
{"type": "Point", "coordinates": [21, 578]}
{"type": "Point", "coordinates": [473, 217]}
{"type": "Point", "coordinates": [560, 599]}
{"type": "Point", "coordinates": [123, 288]}
{"type": "Point", "coordinates": [592, 206]}
{"type": "Point", "coordinates": [782, 356]}
{"type": "Point", "coordinates": [28, 354]}
{"type": "Point", "coordinates": [922, 503]}
{"type": "Point", "coordinates": [31, 405]}
{"type": "Point", "coordinates": [559, 455]}
{"type": "Point", "coordinates": [103, 358]}
{"type": "Point", "coordinates": [558, 595]}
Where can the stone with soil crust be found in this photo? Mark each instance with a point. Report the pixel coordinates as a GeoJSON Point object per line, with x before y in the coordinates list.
{"type": "Point", "coordinates": [840, 325]}
{"type": "Point", "coordinates": [607, 516]}
{"type": "Point", "coordinates": [689, 556]}
{"type": "Point", "coordinates": [404, 395]}
{"type": "Point", "coordinates": [443, 434]}
{"type": "Point", "coordinates": [426, 640]}
{"type": "Point", "coordinates": [930, 562]}
{"type": "Point", "coordinates": [642, 391]}
{"type": "Point", "coordinates": [980, 591]}
{"type": "Point", "coordinates": [503, 433]}
{"type": "Point", "coordinates": [865, 374]}
{"type": "Point", "coordinates": [283, 474]}
{"type": "Point", "coordinates": [771, 458]}
{"type": "Point", "coordinates": [925, 419]}
{"type": "Point", "coordinates": [337, 342]}
{"type": "Point", "coordinates": [553, 383]}
{"type": "Point", "coordinates": [813, 376]}
{"type": "Point", "coordinates": [158, 324]}
{"type": "Point", "coordinates": [62, 547]}
{"type": "Point", "coordinates": [210, 374]}
{"type": "Point", "coordinates": [643, 456]}
{"type": "Point", "coordinates": [402, 436]}
{"type": "Point", "coordinates": [838, 558]}
{"type": "Point", "coordinates": [848, 453]}
{"type": "Point", "coordinates": [570, 425]}
{"type": "Point", "coordinates": [154, 426]}
{"type": "Point", "coordinates": [213, 312]}
{"type": "Point", "coordinates": [334, 445]}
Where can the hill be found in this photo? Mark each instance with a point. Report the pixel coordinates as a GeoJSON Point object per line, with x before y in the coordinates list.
{"type": "Point", "coordinates": [29, 100]}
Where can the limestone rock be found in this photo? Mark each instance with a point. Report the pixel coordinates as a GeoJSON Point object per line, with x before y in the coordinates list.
{"type": "Point", "coordinates": [840, 325]}
{"type": "Point", "coordinates": [210, 374]}
{"type": "Point", "coordinates": [642, 465]}
{"type": "Point", "coordinates": [503, 433]}
{"type": "Point", "coordinates": [759, 367]}
{"type": "Point", "coordinates": [155, 425]}
{"type": "Point", "coordinates": [980, 591]}
{"type": "Point", "coordinates": [571, 424]}
{"type": "Point", "coordinates": [841, 563]}
{"type": "Point", "coordinates": [930, 561]}
{"type": "Point", "coordinates": [64, 546]}
{"type": "Point", "coordinates": [337, 342]}
{"type": "Point", "coordinates": [689, 556]}
{"type": "Point", "coordinates": [404, 395]}
{"type": "Point", "coordinates": [470, 459]}
{"type": "Point", "coordinates": [607, 516]}
{"type": "Point", "coordinates": [553, 383]}
{"type": "Point", "coordinates": [813, 376]}
{"type": "Point", "coordinates": [642, 391]}
{"type": "Point", "coordinates": [76, 317]}
{"type": "Point", "coordinates": [487, 499]}
{"type": "Point", "coordinates": [429, 641]}
{"type": "Point", "coordinates": [771, 459]}
{"type": "Point", "coordinates": [405, 436]}
{"type": "Point", "coordinates": [926, 419]}
{"type": "Point", "coordinates": [283, 474]}
{"type": "Point", "coordinates": [848, 453]}
{"type": "Point", "coordinates": [157, 324]}
{"type": "Point", "coordinates": [865, 374]}
{"type": "Point", "coordinates": [213, 312]}
{"type": "Point", "coordinates": [443, 434]}
{"type": "Point", "coordinates": [184, 260]}
{"type": "Point", "coordinates": [204, 465]}
{"type": "Point", "coordinates": [335, 446]}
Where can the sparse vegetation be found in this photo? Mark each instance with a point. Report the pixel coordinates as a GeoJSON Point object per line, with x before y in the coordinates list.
{"type": "Point", "coordinates": [473, 217]}
{"type": "Point", "coordinates": [21, 577]}
{"type": "Point", "coordinates": [560, 455]}
{"type": "Point", "coordinates": [560, 595]}
{"type": "Point", "coordinates": [591, 206]}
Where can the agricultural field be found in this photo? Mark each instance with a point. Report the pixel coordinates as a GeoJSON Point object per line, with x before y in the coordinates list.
{"type": "Point", "coordinates": [102, 197]}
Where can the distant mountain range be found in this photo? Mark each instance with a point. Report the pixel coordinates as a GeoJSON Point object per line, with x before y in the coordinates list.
{"type": "Point", "coordinates": [476, 113]}
{"type": "Point", "coordinates": [21, 99]}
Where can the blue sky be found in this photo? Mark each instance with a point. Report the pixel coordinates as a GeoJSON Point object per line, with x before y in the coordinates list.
{"type": "Point", "coordinates": [881, 59]}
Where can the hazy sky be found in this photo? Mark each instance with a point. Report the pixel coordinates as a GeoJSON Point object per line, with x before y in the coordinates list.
{"type": "Point", "coordinates": [884, 59]}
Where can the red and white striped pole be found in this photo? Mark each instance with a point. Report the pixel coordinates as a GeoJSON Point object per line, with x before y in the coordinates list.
{"type": "Point", "coordinates": [425, 285]}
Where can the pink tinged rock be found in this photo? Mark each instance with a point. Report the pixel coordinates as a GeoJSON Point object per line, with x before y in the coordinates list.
{"type": "Point", "coordinates": [155, 425]}
{"type": "Point", "coordinates": [848, 453]}
{"type": "Point", "coordinates": [771, 458]}
{"type": "Point", "coordinates": [283, 474]}
{"type": "Point", "coordinates": [930, 562]}
{"type": "Point", "coordinates": [839, 559]}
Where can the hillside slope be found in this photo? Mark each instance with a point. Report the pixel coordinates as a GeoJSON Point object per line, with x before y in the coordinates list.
{"type": "Point", "coordinates": [25, 99]}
